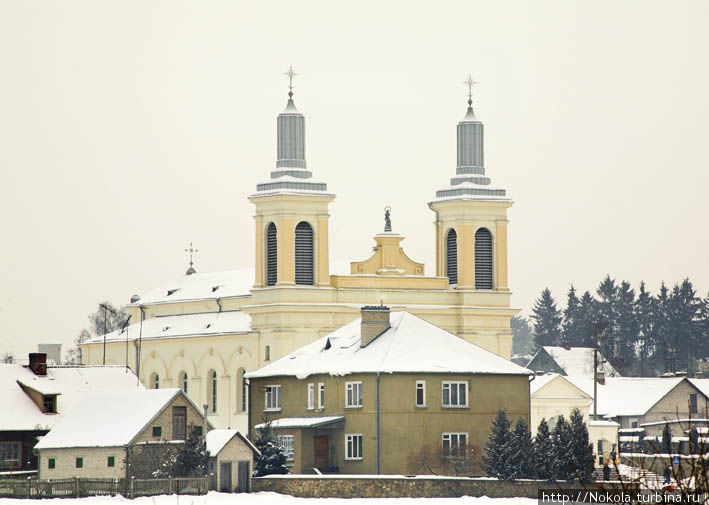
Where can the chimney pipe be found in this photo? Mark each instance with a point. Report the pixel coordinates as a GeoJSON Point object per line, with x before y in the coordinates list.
{"type": "Point", "coordinates": [375, 321]}
{"type": "Point", "coordinates": [38, 363]}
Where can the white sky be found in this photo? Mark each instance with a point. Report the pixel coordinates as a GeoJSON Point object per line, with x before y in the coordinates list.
{"type": "Point", "coordinates": [129, 129]}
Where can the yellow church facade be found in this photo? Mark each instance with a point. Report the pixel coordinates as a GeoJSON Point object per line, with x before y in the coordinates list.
{"type": "Point", "coordinates": [203, 331]}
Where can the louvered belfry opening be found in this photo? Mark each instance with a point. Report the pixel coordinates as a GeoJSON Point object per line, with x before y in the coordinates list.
{"type": "Point", "coordinates": [452, 257]}
{"type": "Point", "coordinates": [483, 259]}
{"type": "Point", "coordinates": [303, 254]}
{"type": "Point", "coordinates": [271, 255]}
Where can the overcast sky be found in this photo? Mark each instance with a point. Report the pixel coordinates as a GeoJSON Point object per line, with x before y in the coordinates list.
{"type": "Point", "coordinates": [130, 128]}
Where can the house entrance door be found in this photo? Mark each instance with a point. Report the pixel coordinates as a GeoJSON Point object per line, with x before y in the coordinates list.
{"type": "Point", "coordinates": [322, 452]}
{"type": "Point", "coordinates": [243, 477]}
{"type": "Point", "coordinates": [225, 478]}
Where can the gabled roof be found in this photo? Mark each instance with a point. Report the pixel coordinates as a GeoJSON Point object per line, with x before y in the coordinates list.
{"type": "Point", "coordinates": [217, 439]}
{"type": "Point", "coordinates": [540, 381]}
{"type": "Point", "coordinates": [627, 396]}
{"type": "Point", "coordinates": [109, 419]}
{"type": "Point", "coordinates": [71, 383]}
{"type": "Point", "coordinates": [573, 360]}
{"type": "Point", "coordinates": [409, 345]}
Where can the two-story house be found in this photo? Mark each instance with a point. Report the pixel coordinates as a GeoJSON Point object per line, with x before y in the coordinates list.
{"type": "Point", "coordinates": [373, 395]}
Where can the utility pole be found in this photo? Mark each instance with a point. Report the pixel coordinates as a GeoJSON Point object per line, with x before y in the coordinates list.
{"type": "Point", "coordinates": [595, 383]}
{"type": "Point", "coordinates": [105, 327]}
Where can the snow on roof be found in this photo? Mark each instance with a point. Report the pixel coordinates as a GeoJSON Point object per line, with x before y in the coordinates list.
{"type": "Point", "coordinates": [542, 380]}
{"type": "Point", "coordinates": [71, 383]}
{"type": "Point", "coordinates": [702, 385]}
{"type": "Point", "coordinates": [182, 326]}
{"type": "Point", "coordinates": [302, 422]}
{"type": "Point", "coordinates": [627, 396]}
{"type": "Point", "coordinates": [579, 360]}
{"type": "Point", "coordinates": [600, 422]}
{"type": "Point", "coordinates": [410, 345]}
{"type": "Point", "coordinates": [108, 419]}
{"type": "Point", "coordinates": [217, 439]}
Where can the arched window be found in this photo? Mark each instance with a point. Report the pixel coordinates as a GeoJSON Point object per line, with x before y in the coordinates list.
{"type": "Point", "coordinates": [212, 386]}
{"type": "Point", "coordinates": [242, 388]}
{"type": "Point", "coordinates": [183, 381]}
{"type": "Point", "coordinates": [483, 259]}
{"type": "Point", "coordinates": [452, 257]}
{"type": "Point", "coordinates": [271, 255]}
{"type": "Point", "coordinates": [303, 254]}
{"type": "Point", "coordinates": [155, 381]}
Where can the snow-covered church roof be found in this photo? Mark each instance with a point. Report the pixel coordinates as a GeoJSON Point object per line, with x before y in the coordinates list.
{"type": "Point", "coordinates": [409, 345]}
{"type": "Point", "coordinates": [70, 383]}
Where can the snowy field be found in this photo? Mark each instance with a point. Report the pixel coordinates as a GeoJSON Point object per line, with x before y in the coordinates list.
{"type": "Point", "coordinates": [264, 499]}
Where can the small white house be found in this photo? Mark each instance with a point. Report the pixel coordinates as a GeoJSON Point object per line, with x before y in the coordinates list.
{"type": "Point", "coordinates": [232, 458]}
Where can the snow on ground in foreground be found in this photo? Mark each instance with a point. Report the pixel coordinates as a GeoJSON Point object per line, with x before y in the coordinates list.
{"type": "Point", "coordinates": [263, 499]}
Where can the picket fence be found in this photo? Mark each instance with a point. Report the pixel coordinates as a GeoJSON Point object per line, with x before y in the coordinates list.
{"type": "Point", "coordinates": [79, 487]}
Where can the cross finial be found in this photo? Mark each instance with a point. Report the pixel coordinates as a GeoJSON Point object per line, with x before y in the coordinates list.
{"type": "Point", "coordinates": [291, 73]}
{"type": "Point", "coordinates": [470, 83]}
{"type": "Point", "coordinates": [191, 250]}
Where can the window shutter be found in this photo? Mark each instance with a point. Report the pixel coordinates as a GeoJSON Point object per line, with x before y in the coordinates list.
{"type": "Point", "coordinates": [452, 257]}
{"type": "Point", "coordinates": [271, 255]}
{"type": "Point", "coordinates": [303, 254]}
{"type": "Point", "coordinates": [483, 259]}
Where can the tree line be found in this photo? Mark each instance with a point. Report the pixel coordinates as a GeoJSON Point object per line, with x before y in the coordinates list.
{"type": "Point", "coordinates": [640, 333]}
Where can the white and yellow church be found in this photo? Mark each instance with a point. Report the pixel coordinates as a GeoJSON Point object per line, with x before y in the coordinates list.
{"type": "Point", "coordinates": [203, 331]}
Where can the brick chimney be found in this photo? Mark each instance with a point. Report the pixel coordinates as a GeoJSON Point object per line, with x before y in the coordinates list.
{"type": "Point", "coordinates": [375, 321]}
{"type": "Point", "coordinates": [38, 363]}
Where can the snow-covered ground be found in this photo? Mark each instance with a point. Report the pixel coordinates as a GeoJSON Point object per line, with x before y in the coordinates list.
{"type": "Point", "coordinates": [265, 499]}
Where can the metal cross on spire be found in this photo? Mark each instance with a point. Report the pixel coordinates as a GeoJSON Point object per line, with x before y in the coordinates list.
{"type": "Point", "coordinates": [191, 250]}
{"type": "Point", "coordinates": [470, 83]}
{"type": "Point", "coordinates": [291, 73]}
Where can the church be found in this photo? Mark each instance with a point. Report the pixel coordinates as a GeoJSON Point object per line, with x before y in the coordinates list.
{"type": "Point", "coordinates": [202, 332]}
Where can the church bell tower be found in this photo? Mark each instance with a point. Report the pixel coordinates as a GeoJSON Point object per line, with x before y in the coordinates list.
{"type": "Point", "coordinates": [471, 216]}
{"type": "Point", "coordinates": [291, 212]}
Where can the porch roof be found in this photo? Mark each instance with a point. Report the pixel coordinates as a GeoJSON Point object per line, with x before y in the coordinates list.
{"type": "Point", "coordinates": [303, 422]}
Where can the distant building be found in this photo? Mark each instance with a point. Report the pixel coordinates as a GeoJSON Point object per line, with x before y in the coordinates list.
{"type": "Point", "coordinates": [93, 440]}
{"type": "Point", "coordinates": [576, 361]}
{"type": "Point", "coordinates": [383, 391]}
{"type": "Point", "coordinates": [35, 397]}
{"type": "Point", "coordinates": [53, 352]}
{"type": "Point", "coordinates": [232, 459]}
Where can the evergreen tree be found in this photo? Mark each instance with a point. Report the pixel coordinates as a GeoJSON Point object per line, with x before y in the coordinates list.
{"type": "Point", "coordinates": [544, 455]}
{"type": "Point", "coordinates": [522, 338]}
{"type": "Point", "coordinates": [273, 458]}
{"type": "Point", "coordinates": [606, 320]}
{"type": "Point", "coordinates": [572, 327]}
{"type": "Point", "coordinates": [663, 351]}
{"type": "Point", "coordinates": [628, 328]}
{"type": "Point", "coordinates": [499, 447]}
{"type": "Point", "coordinates": [587, 313]}
{"type": "Point", "coordinates": [547, 320]}
{"type": "Point", "coordinates": [192, 459]}
{"type": "Point", "coordinates": [644, 311]}
{"type": "Point", "coordinates": [563, 453]}
{"type": "Point", "coordinates": [582, 449]}
{"type": "Point", "coordinates": [522, 455]}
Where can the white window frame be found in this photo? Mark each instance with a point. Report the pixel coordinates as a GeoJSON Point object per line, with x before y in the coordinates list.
{"type": "Point", "coordinates": [420, 385]}
{"type": "Point", "coordinates": [450, 436]}
{"type": "Point", "coordinates": [311, 396]}
{"type": "Point", "coordinates": [287, 442]}
{"type": "Point", "coordinates": [353, 387]}
{"type": "Point", "coordinates": [321, 395]}
{"type": "Point", "coordinates": [352, 437]}
{"type": "Point", "coordinates": [269, 403]}
{"type": "Point", "coordinates": [449, 385]}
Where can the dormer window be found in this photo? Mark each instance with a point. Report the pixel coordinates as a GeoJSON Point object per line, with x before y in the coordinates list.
{"type": "Point", "coordinates": [172, 291]}
{"type": "Point", "coordinates": [214, 288]}
{"type": "Point", "coordinates": [49, 404]}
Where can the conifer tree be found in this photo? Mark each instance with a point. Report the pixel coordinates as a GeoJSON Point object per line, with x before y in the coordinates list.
{"type": "Point", "coordinates": [628, 328]}
{"type": "Point", "coordinates": [498, 449]}
{"type": "Point", "coordinates": [522, 454]}
{"type": "Point", "coordinates": [563, 454]}
{"type": "Point", "coordinates": [522, 338]}
{"type": "Point", "coordinates": [544, 455]}
{"type": "Point", "coordinates": [547, 320]}
{"type": "Point", "coordinates": [587, 309]}
{"type": "Point", "coordinates": [572, 327]}
{"type": "Point", "coordinates": [273, 458]}
{"type": "Point", "coordinates": [191, 460]}
{"type": "Point", "coordinates": [644, 310]}
{"type": "Point", "coordinates": [582, 449]}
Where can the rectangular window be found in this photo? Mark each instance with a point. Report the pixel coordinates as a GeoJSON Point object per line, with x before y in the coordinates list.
{"type": "Point", "coordinates": [273, 397]}
{"type": "Point", "coordinates": [179, 423]}
{"type": "Point", "coordinates": [321, 395]}
{"type": "Point", "coordinates": [157, 431]}
{"type": "Point", "coordinates": [79, 462]}
{"type": "Point", "coordinates": [267, 353]}
{"type": "Point", "coordinates": [10, 454]}
{"type": "Point", "coordinates": [111, 461]}
{"type": "Point", "coordinates": [311, 396]}
{"type": "Point", "coordinates": [287, 442]}
{"type": "Point", "coordinates": [692, 403]}
{"type": "Point", "coordinates": [353, 394]}
{"type": "Point", "coordinates": [454, 444]}
{"type": "Point", "coordinates": [51, 463]}
{"type": "Point", "coordinates": [353, 446]}
{"type": "Point", "coordinates": [455, 394]}
{"type": "Point", "coordinates": [420, 393]}
{"type": "Point", "coordinates": [50, 404]}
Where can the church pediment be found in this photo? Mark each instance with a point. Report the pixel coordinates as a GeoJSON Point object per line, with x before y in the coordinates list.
{"type": "Point", "coordinates": [388, 259]}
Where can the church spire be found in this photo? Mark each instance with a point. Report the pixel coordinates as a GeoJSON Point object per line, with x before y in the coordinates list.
{"type": "Point", "coordinates": [291, 132]}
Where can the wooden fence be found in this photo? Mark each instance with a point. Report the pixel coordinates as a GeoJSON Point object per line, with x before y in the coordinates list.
{"type": "Point", "coordinates": [76, 488]}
